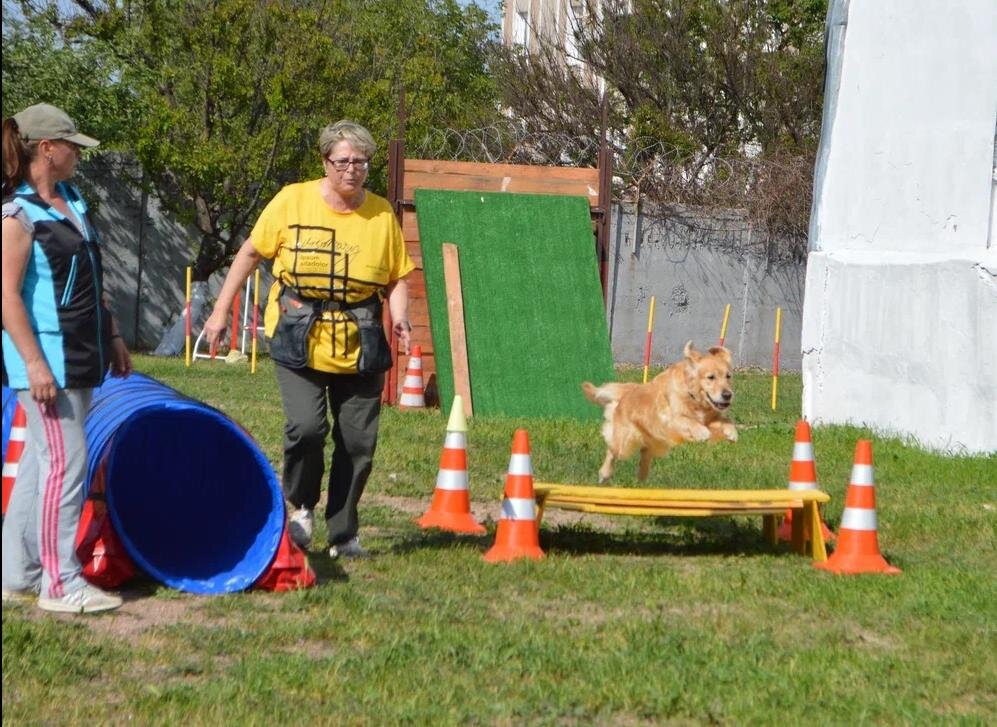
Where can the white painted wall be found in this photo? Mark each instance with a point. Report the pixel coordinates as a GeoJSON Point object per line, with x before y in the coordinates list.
{"type": "Point", "coordinates": [899, 328]}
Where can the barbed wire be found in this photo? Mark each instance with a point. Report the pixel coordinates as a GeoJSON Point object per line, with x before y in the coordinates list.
{"type": "Point", "coordinates": [772, 193]}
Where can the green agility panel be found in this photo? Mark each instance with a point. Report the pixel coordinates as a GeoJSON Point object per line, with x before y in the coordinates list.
{"type": "Point", "coordinates": [533, 307]}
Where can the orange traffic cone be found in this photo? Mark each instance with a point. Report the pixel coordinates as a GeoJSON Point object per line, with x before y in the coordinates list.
{"type": "Point", "coordinates": [413, 392]}
{"type": "Point", "coordinates": [858, 545]}
{"type": "Point", "coordinates": [802, 476]}
{"type": "Point", "coordinates": [451, 506]}
{"type": "Point", "coordinates": [517, 535]}
{"type": "Point", "coordinates": [15, 448]}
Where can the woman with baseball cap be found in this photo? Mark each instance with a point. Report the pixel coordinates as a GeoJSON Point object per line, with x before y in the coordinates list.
{"type": "Point", "coordinates": [59, 341]}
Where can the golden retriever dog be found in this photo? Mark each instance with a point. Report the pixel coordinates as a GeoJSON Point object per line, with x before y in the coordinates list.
{"type": "Point", "coordinates": [684, 403]}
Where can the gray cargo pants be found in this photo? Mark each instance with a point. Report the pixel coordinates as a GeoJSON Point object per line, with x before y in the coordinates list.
{"type": "Point", "coordinates": [355, 401]}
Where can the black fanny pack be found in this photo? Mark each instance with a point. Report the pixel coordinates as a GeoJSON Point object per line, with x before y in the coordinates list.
{"type": "Point", "coordinates": [289, 343]}
{"type": "Point", "coordinates": [375, 354]}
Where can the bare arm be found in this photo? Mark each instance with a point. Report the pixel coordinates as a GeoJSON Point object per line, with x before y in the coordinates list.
{"type": "Point", "coordinates": [16, 251]}
{"type": "Point", "coordinates": [244, 263]}
{"type": "Point", "coordinates": [398, 306]}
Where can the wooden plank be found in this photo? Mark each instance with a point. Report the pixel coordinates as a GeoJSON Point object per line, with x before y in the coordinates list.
{"type": "Point", "coordinates": [416, 286]}
{"type": "Point", "coordinates": [653, 511]}
{"type": "Point", "coordinates": [455, 312]}
{"type": "Point", "coordinates": [410, 227]}
{"type": "Point", "coordinates": [648, 493]}
{"type": "Point", "coordinates": [488, 169]}
{"type": "Point", "coordinates": [745, 506]}
{"type": "Point", "coordinates": [529, 185]}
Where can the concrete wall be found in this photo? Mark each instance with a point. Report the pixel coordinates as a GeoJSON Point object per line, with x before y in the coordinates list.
{"type": "Point", "coordinates": [694, 263]}
{"type": "Point", "coordinates": [132, 229]}
{"type": "Point", "coordinates": [900, 317]}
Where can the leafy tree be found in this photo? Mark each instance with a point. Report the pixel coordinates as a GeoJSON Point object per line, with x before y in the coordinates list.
{"type": "Point", "coordinates": [41, 64]}
{"type": "Point", "coordinates": [705, 75]}
{"type": "Point", "coordinates": [226, 98]}
{"type": "Point", "coordinates": [709, 101]}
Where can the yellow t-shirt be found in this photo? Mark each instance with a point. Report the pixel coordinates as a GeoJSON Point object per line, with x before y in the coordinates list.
{"type": "Point", "coordinates": [329, 255]}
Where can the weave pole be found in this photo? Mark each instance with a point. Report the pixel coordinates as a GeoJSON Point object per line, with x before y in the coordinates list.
{"type": "Point", "coordinates": [647, 341]}
{"type": "Point", "coordinates": [775, 357]}
{"type": "Point", "coordinates": [256, 319]}
{"type": "Point", "coordinates": [187, 324]}
{"type": "Point", "coordinates": [245, 315]}
{"type": "Point", "coordinates": [723, 327]}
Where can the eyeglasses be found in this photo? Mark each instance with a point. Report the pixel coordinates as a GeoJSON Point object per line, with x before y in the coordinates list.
{"type": "Point", "coordinates": [341, 165]}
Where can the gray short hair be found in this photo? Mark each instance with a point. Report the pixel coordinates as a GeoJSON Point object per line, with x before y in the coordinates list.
{"type": "Point", "coordinates": [357, 136]}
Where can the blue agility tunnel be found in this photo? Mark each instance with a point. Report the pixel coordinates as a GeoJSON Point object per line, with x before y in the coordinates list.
{"type": "Point", "coordinates": [194, 501]}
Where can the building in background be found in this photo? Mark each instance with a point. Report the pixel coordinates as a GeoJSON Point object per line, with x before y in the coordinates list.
{"type": "Point", "coordinates": [899, 327]}
{"type": "Point", "coordinates": [528, 24]}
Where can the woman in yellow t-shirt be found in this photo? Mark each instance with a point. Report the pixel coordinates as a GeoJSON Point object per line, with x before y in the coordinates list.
{"type": "Point", "coordinates": [337, 251]}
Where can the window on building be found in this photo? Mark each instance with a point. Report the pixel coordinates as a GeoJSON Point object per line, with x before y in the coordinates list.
{"type": "Point", "coordinates": [575, 12]}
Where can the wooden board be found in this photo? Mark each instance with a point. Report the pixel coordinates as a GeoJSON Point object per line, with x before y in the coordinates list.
{"type": "Point", "coordinates": [411, 174]}
{"type": "Point", "coordinates": [458, 340]}
{"type": "Point", "coordinates": [478, 177]}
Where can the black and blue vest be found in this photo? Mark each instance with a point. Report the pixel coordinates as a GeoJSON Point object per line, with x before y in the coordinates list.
{"type": "Point", "coordinates": [62, 291]}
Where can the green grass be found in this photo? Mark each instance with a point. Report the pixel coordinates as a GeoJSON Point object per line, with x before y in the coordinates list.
{"type": "Point", "coordinates": [627, 621]}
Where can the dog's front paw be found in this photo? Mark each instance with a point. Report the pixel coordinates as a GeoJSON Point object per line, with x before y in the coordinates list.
{"type": "Point", "coordinates": [730, 431]}
{"type": "Point", "coordinates": [700, 433]}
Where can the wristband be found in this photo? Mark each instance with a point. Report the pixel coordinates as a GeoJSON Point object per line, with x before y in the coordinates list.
{"type": "Point", "coordinates": [115, 335]}
{"type": "Point", "coordinates": [405, 325]}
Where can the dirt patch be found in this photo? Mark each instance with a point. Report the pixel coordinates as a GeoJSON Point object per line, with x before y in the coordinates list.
{"type": "Point", "coordinates": [143, 611]}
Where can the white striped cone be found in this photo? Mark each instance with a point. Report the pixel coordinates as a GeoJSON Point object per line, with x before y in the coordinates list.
{"type": "Point", "coordinates": [517, 535]}
{"type": "Point", "coordinates": [858, 542]}
{"type": "Point", "coordinates": [451, 506]}
{"type": "Point", "coordinates": [413, 392]}
{"type": "Point", "coordinates": [15, 448]}
{"type": "Point", "coordinates": [802, 476]}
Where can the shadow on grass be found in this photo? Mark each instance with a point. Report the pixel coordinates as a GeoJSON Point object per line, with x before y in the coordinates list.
{"type": "Point", "coordinates": [439, 540]}
{"type": "Point", "coordinates": [142, 585]}
{"type": "Point", "coordinates": [139, 586]}
{"type": "Point", "coordinates": [674, 536]}
{"type": "Point", "coordinates": [326, 569]}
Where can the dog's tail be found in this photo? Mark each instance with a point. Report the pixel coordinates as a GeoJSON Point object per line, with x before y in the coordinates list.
{"type": "Point", "coordinates": [603, 395]}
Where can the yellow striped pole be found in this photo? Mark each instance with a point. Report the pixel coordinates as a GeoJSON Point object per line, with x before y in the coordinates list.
{"type": "Point", "coordinates": [775, 356]}
{"type": "Point", "coordinates": [647, 341]}
{"type": "Point", "coordinates": [723, 328]}
{"type": "Point", "coordinates": [187, 323]}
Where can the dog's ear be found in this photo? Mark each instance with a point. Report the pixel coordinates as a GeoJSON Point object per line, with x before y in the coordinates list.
{"type": "Point", "coordinates": [722, 353]}
{"type": "Point", "coordinates": [690, 352]}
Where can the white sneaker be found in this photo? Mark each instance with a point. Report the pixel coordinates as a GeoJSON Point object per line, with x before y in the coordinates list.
{"type": "Point", "coordinates": [299, 527]}
{"type": "Point", "coordinates": [21, 595]}
{"type": "Point", "coordinates": [350, 549]}
{"type": "Point", "coordinates": [88, 599]}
